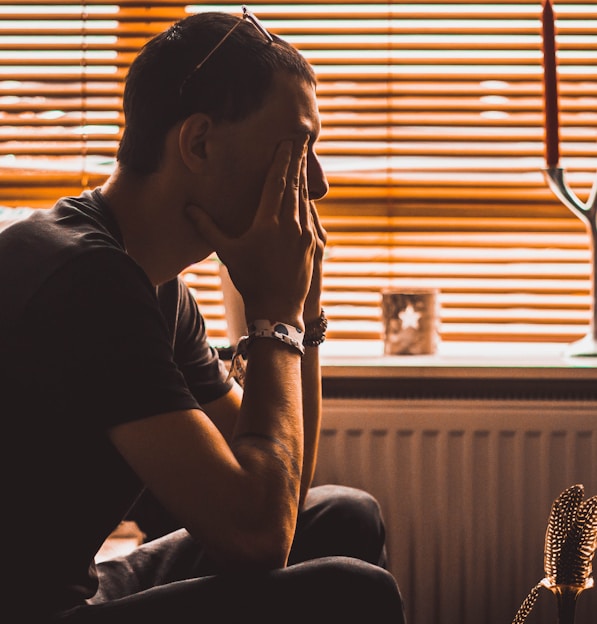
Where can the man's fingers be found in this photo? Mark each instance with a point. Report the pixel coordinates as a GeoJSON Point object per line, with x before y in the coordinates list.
{"type": "Point", "coordinates": [281, 191]}
{"type": "Point", "coordinates": [296, 183]}
{"type": "Point", "coordinates": [321, 232]}
{"type": "Point", "coordinates": [304, 205]}
{"type": "Point", "coordinates": [275, 182]}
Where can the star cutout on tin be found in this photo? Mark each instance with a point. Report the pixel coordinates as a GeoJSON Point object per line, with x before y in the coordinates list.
{"type": "Point", "coordinates": [409, 317]}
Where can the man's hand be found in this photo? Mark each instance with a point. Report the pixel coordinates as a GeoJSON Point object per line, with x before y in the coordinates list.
{"type": "Point", "coordinates": [271, 264]}
{"type": "Point", "coordinates": [313, 301]}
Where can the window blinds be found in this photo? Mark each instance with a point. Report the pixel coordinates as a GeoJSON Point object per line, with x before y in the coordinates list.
{"type": "Point", "coordinates": [432, 139]}
{"type": "Point", "coordinates": [62, 67]}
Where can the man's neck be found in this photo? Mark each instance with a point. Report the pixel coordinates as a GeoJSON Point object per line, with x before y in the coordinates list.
{"type": "Point", "coordinates": [148, 215]}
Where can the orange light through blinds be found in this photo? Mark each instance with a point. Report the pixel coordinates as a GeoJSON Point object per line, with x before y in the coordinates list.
{"type": "Point", "coordinates": [61, 76]}
{"type": "Point", "coordinates": [432, 139]}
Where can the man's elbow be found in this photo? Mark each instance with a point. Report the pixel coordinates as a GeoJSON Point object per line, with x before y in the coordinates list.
{"type": "Point", "coordinates": [258, 550]}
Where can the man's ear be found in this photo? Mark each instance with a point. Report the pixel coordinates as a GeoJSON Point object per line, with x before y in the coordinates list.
{"type": "Point", "coordinates": [192, 140]}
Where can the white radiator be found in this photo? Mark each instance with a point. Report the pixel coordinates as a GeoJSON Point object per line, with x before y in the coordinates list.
{"type": "Point", "coordinates": [466, 487]}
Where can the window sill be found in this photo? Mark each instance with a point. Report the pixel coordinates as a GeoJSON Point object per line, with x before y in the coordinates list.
{"type": "Point", "coordinates": [458, 370]}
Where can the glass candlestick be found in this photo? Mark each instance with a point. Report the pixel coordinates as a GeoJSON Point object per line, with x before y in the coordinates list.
{"type": "Point", "coordinates": [587, 211]}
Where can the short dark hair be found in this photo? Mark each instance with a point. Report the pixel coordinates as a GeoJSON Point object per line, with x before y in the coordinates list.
{"type": "Point", "coordinates": [232, 84]}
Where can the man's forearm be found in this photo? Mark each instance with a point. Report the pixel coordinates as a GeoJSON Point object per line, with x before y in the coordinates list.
{"type": "Point", "coordinates": [311, 384]}
{"type": "Point", "coordinates": [268, 437]}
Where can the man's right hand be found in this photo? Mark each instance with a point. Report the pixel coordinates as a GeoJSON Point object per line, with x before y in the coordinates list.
{"type": "Point", "coordinates": [271, 264]}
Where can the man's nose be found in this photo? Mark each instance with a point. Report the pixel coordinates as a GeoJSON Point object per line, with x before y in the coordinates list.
{"type": "Point", "coordinates": [316, 178]}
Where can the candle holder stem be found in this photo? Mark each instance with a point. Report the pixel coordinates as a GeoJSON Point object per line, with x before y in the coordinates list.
{"type": "Point", "coordinates": [566, 598]}
{"type": "Point", "coordinates": [587, 212]}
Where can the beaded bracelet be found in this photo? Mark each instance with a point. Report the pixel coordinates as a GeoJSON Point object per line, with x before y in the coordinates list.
{"type": "Point", "coordinates": [315, 331]}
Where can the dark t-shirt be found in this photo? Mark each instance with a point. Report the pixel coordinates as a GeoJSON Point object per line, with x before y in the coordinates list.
{"type": "Point", "coordinates": [86, 342]}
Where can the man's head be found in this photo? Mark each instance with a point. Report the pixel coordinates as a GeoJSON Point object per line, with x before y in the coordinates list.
{"type": "Point", "coordinates": [165, 84]}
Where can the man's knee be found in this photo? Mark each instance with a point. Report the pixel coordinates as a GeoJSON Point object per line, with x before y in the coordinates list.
{"type": "Point", "coordinates": [351, 502]}
{"type": "Point", "coordinates": [341, 521]}
{"type": "Point", "coordinates": [344, 502]}
{"type": "Point", "coordinates": [355, 591]}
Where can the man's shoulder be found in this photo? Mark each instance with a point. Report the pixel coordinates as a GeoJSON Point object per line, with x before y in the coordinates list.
{"type": "Point", "coordinates": [73, 224]}
{"type": "Point", "coordinates": [34, 248]}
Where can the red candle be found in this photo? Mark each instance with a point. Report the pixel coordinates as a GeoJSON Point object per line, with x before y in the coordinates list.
{"type": "Point", "coordinates": [550, 86]}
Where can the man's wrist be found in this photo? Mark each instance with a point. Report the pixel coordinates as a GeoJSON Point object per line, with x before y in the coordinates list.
{"type": "Point", "coordinates": [289, 334]}
{"type": "Point", "coordinates": [293, 318]}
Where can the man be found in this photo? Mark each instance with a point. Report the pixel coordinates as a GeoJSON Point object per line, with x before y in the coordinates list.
{"type": "Point", "coordinates": [109, 386]}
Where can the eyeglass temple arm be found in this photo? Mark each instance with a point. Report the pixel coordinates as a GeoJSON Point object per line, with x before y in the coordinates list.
{"type": "Point", "coordinates": [248, 15]}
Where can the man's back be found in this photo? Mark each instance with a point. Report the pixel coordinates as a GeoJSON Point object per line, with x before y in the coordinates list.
{"type": "Point", "coordinates": [83, 339]}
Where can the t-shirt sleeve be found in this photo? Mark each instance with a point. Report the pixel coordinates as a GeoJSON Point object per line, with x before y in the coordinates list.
{"type": "Point", "coordinates": [115, 348]}
{"type": "Point", "coordinates": [205, 374]}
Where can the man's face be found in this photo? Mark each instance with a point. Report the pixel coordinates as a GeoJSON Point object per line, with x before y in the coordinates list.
{"type": "Point", "coordinates": [245, 151]}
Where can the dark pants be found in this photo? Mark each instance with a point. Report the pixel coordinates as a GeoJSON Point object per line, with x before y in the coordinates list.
{"type": "Point", "coordinates": [335, 574]}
